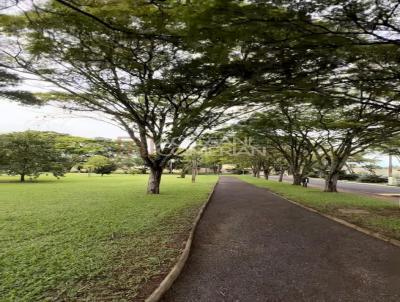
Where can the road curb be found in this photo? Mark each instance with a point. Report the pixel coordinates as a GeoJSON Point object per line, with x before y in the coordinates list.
{"type": "Point", "coordinates": [166, 284]}
{"type": "Point", "coordinates": [376, 235]}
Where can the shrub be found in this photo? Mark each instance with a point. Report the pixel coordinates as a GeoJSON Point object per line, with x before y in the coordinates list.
{"type": "Point", "coordinates": [120, 171]}
{"type": "Point", "coordinates": [101, 165]}
{"type": "Point", "coordinates": [352, 176]}
{"type": "Point", "coordinates": [373, 178]}
{"type": "Point", "coordinates": [238, 171]}
{"type": "Point", "coordinates": [137, 171]}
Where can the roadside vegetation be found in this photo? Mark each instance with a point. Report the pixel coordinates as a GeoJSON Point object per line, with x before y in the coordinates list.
{"type": "Point", "coordinates": [377, 214]}
{"type": "Point", "coordinates": [92, 238]}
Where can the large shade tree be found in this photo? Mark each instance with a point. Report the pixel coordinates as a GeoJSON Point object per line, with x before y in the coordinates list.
{"type": "Point", "coordinates": [143, 75]}
{"type": "Point", "coordinates": [167, 71]}
{"type": "Point", "coordinates": [347, 131]}
{"type": "Point", "coordinates": [31, 153]}
{"type": "Point", "coordinates": [163, 70]}
{"type": "Point", "coordinates": [328, 133]}
{"type": "Point", "coordinates": [285, 127]}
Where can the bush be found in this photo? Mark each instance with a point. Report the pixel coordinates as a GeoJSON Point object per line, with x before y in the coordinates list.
{"type": "Point", "coordinates": [373, 178]}
{"type": "Point", "coordinates": [101, 165]}
{"type": "Point", "coordinates": [106, 169]}
{"type": "Point", "coordinates": [237, 171]}
{"type": "Point", "coordinates": [352, 176]}
{"type": "Point", "coordinates": [137, 171]}
{"type": "Point", "coordinates": [120, 171]}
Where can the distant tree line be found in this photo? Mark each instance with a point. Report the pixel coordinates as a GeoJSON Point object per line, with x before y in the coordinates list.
{"type": "Point", "coordinates": [31, 153]}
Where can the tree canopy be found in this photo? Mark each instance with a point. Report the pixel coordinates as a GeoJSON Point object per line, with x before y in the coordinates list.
{"type": "Point", "coordinates": [31, 153]}
{"type": "Point", "coordinates": [9, 88]}
{"type": "Point", "coordinates": [167, 72]}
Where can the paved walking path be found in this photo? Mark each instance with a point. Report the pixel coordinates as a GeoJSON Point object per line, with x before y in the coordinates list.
{"type": "Point", "coordinates": [254, 246]}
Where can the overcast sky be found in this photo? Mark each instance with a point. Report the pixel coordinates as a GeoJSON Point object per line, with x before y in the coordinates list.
{"type": "Point", "coordinates": [14, 117]}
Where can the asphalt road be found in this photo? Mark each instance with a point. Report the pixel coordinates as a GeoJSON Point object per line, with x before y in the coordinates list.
{"type": "Point", "coordinates": [371, 189]}
{"type": "Point", "coordinates": [254, 246]}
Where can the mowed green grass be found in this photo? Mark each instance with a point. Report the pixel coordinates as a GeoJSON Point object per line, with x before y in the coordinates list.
{"type": "Point", "coordinates": [383, 216]}
{"type": "Point", "coordinates": [92, 238]}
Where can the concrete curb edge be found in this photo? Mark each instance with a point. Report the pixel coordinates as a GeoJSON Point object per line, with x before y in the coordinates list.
{"type": "Point", "coordinates": [376, 235]}
{"type": "Point", "coordinates": [176, 270]}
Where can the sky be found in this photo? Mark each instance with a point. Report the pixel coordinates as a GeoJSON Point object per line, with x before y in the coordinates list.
{"type": "Point", "coordinates": [14, 117]}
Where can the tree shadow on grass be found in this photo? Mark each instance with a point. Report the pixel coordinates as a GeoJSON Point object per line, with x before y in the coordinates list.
{"type": "Point", "coordinates": [28, 181]}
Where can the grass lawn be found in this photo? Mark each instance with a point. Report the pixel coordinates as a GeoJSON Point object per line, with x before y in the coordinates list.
{"type": "Point", "coordinates": [92, 238]}
{"type": "Point", "coordinates": [382, 216]}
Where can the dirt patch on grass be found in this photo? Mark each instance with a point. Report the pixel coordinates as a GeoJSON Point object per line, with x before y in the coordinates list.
{"type": "Point", "coordinates": [388, 212]}
{"type": "Point", "coordinates": [382, 220]}
{"type": "Point", "coordinates": [353, 211]}
{"type": "Point", "coordinates": [150, 285]}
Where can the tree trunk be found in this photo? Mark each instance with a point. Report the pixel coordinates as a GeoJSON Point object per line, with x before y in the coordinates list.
{"type": "Point", "coordinates": [153, 186]}
{"type": "Point", "coordinates": [194, 171]}
{"type": "Point", "coordinates": [22, 179]}
{"type": "Point", "coordinates": [297, 179]}
{"type": "Point", "coordinates": [266, 173]}
{"type": "Point", "coordinates": [254, 172]}
{"type": "Point", "coordinates": [332, 177]}
{"type": "Point", "coordinates": [281, 172]}
{"type": "Point", "coordinates": [331, 180]}
{"type": "Point", "coordinates": [193, 175]}
{"type": "Point", "coordinates": [183, 172]}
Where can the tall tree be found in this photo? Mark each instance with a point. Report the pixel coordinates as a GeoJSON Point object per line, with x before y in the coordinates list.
{"type": "Point", "coordinates": [31, 153]}
{"type": "Point", "coordinates": [167, 72]}
{"type": "Point", "coordinates": [144, 76]}
{"type": "Point", "coordinates": [286, 128]}
{"type": "Point", "coordinates": [345, 131]}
